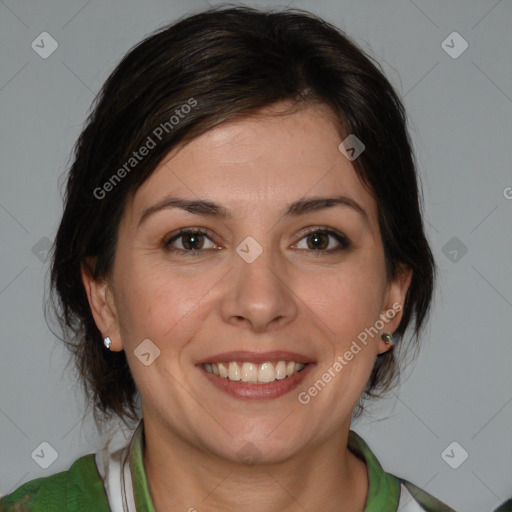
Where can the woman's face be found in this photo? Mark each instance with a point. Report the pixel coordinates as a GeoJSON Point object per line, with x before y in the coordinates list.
{"type": "Point", "coordinates": [282, 261]}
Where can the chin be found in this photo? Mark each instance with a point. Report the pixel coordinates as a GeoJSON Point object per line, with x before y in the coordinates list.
{"type": "Point", "coordinates": [254, 445]}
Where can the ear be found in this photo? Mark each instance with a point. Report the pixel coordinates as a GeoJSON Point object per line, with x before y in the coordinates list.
{"type": "Point", "coordinates": [104, 312]}
{"type": "Point", "coordinates": [394, 304]}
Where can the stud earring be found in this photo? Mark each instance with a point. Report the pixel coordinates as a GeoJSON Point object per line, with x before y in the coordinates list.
{"type": "Point", "coordinates": [107, 341]}
{"type": "Point", "coordinates": [386, 337]}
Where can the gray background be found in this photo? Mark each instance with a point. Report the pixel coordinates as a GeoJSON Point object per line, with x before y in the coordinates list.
{"type": "Point", "coordinates": [461, 121]}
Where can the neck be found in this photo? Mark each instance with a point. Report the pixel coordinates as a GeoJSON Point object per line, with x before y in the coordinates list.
{"type": "Point", "coordinates": [182, 477]}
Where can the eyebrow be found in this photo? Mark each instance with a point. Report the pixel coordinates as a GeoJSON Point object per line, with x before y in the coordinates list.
{"type": "Point", "coordinates": [211, 209]}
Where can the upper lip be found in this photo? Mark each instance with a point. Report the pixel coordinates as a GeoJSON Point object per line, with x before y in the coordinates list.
{"type": "Point", "coordinates": [257, 357]}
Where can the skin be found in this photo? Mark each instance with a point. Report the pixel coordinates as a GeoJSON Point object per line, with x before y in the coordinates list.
{"type": "Point", "coordinates": [292, 297]}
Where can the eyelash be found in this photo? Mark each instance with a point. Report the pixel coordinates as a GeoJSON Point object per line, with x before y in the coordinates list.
{"type": "Point", "coordinates": [342, 240]}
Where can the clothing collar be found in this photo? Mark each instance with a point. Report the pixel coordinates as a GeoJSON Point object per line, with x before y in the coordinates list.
{"type": "Point", "coordinates": [120, 464]}
{"type": "Point", "coordinates": [383, 488]}
{"type": "Point", "coordinates": [141, 493]}
{"type": "Point", "coordinates": [127, 487]}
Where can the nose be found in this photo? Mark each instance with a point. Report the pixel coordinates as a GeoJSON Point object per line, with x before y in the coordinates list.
{"type": "Point", "coordinates": [258, 296]}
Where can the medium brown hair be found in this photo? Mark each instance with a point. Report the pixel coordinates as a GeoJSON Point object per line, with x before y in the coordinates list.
{"type": "Point", "coordinates": [231, 62]}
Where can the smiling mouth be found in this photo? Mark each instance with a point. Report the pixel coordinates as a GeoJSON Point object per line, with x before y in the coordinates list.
{"type": "Point", "coordinates": [253, 373]}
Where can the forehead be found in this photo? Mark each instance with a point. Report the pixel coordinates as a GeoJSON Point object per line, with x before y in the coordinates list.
{"type": "Point", "coordinates": [260, 161]}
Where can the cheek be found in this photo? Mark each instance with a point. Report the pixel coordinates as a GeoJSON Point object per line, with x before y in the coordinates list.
{"type": "Point", "coordinates": [348, 306]}
{"type": "Point", "coordinates": [162, 305]}
{"type": "Point", "coordinates": [348, 301]}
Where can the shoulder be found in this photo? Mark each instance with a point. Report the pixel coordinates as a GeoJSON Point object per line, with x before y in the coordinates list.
{"type": "Point", "coordinates": [414, 499]}
{"type": "Point", "coordinates": [78, 489]}
{"type": "Point", "coordinates": [505, 507]}
{"type": "Point", "coordinates": [389, 492]}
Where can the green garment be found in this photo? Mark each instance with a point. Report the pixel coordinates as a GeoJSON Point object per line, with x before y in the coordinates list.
{"type": "Point", "coordinates": [80, 489]}
{"type": "Point", "coordinates": [505, 507]}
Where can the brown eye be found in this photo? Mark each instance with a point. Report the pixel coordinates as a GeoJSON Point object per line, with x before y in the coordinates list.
{"type": "Point", "coordinates": [323, 240]}
{"type": "Point", "coordinates": [317, 241]}
{"type": "Point", "coordinates": [190, 241]}
{"type": "Point", "coordinates": [193, 241]}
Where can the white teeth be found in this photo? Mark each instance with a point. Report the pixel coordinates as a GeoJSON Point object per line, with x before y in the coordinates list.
{"type": "Point", "coordinates": [254, 373]}
{"type": "Point", "coordinates": [249, 373]}
{"type": "Point", "coordinates": [280, 370]}
{"type": "Point", "coordinates": [234, 371]}
{"type": "Point", "coordinates": [223, 370]}
{"type": "Point", "coordinates": [266, 373]}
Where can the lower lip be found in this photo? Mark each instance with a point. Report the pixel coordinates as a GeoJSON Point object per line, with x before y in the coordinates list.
{"type": "Point", "coordinates": [248, 391]}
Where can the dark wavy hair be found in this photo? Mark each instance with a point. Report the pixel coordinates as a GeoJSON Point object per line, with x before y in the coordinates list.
{"type": "Point", "coordinates": [229, 62]}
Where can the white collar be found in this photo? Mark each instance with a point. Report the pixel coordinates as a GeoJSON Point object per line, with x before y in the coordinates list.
{"type": "Point", "coordinates": [113, 463]}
